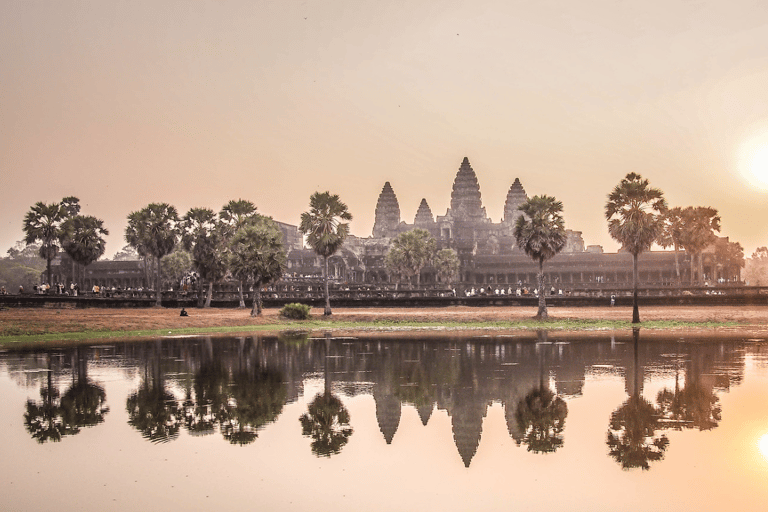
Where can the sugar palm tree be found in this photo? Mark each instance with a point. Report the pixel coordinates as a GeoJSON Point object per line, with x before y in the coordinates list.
{"type": "Point", "coordinates": [671, 235]}
{"type": "Point", "coordinates": [202, 236]}
{"type": "Point", "coordinates": [540, 232]}
{"type": "Point", "coordinates": [700, 223]}
{"type": "Point", "coordinates": [634, 219]}
{"type": "Point", "coordinates": [325, 231]}
{"type": "Point", "coordinates": [233, 216]}
{"type": "Point", "coordinates": [153, 231]}
{"type": "Point", "coordinates": [83, 239]}
{"type": "Point", "coordinates": [43, 223]}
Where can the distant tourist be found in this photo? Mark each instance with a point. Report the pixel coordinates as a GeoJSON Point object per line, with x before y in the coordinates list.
{"type": "Point", "coordinates": [183, 312]}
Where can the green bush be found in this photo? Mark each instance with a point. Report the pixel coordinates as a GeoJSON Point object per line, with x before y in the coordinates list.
{"type": "Point", "coordinates": [296, 311]}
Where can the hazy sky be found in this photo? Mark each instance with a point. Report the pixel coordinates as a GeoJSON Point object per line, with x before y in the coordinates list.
{"type": "Point", "coordinates": [123, 103]}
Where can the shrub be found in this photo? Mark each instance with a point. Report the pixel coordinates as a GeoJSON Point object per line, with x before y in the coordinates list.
{"type": "Point", "coordinates": [296, 311]}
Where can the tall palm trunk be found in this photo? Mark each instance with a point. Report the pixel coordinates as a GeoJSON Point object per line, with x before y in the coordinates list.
{"type": "Point", "coordinates": [635, 279]}
{"type": "Point", "coordinates": [542, 312]}
{"type": "Point", "coordinates": [209, 294]}
{"type": "Point", "coordinates": [327, 311]}
{"type": "Point", "coordinates": [677, 266]}
{"type": "Point", "coordinates": [256, 309]}
{"type": "Point", "coordinates": [158, 288]}
{"type": "Point", "coordinates": [242, 298]}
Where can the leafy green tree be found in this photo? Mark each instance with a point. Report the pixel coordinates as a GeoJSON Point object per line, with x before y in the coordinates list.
{"type": "Point", "coordinates": [325, 231]}
{"type": "Point", "coordinates": [127, 253]}
{"type": "Point", "coordinates": [257, 255]}
{"type": "Point", "coordinates": [447, 265]}
{"type": "Point", "coordinates": [202, 236]}
{"type": "Point", "coordinates": [153, 231]}
{"type": "Point", "coordinates": [22, 267]}
{"type": "Point", "coordinates": [540, 232]}
{"type": "Point", "coordinates": [82, 238]}
{"type": "Point", "coordinates": [700, 223]}
{"type": "Point", "coordinates": [410, 252]}
{"type": "Point", "coordinates": [42, 223]}
{"type": "Point", "coordinates": [233, 216]}
{"type": "Point", "coordinates": [175, 267]}
{"type": "Point", "coordinates": [634, 213]}
{"type": "Point", "coordinates": [730, 258]}
{"type": "Point", "coordinates": [756, 273]}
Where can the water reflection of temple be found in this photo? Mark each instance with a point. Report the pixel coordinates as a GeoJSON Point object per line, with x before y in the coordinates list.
{"type": "Point", "coordinates": [238, 386]}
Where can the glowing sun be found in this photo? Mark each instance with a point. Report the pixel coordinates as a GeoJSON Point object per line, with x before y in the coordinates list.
{"type": "Point", "coordinates": [762, 444]}
{"type": "Point", "coordinates": [759, 165]}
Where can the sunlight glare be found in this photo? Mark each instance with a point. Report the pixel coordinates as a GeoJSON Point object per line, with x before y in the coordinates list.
{"type": "Point", "coordinates": [762, 444]}
{"type": "Point", "coordinates": [753, 161]}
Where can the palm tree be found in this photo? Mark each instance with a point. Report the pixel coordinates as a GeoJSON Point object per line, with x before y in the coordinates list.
{"type": "Point", "coordinates": [447, 265]}
{"type": "Point", "coordinates": [234, 215]}
{"type": "Point", "coordinates": [671, 235]}
{"type": "Point", "coordinates": [634, 213]}
{"type": "Point", "coordinates": [203, 238]}
{"type": "Point", "coordinates": [325, 231]}
{"type": "Point", "coordinates": [153, 232]}
{"type": "Point", "coordinates": [410, 252]}
{"type": "Point", "coordinates": [257, 255]}
{"type": "Point", "coordinates": [700, 223]}
{"type": "Point", "coordinates": [83, 239]}
{"type": "Point", "coordinates": [540, 232]}
{"type": "Point", "coordinates": [43, 223]}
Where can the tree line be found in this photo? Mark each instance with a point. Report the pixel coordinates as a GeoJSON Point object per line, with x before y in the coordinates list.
{"type": "Point", "coordinates": [241, 243]}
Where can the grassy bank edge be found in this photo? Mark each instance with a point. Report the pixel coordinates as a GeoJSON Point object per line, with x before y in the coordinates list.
{"type": "Point", "coordinates": [42, 338]}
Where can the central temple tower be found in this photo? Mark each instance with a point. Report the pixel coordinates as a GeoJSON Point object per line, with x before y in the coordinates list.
{"type": "Point", "coordinates": [466, 203]}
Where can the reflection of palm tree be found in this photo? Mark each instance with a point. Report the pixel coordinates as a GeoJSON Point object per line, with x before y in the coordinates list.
{"type": "Point", "coordinates": [541, 414]}
{"type": "Point", "coordinates": [326, 420]}
{"type": "Point", "coordinates": [256, 400]}
{"type": "Point", "coordinates": [84, 403]}
{"type": "Point", "coordinates": [632, 438]}
{"type": "Point", "coordinates": [694, 406]}
{"type": "Point", "coordinates": [154, 412]}
{"type": "Point", "coordinates": [44, 420]}
{"type": "Point", "coordinates": [541, 417]}
{"type": "Point", "coordinates": [327, 423]}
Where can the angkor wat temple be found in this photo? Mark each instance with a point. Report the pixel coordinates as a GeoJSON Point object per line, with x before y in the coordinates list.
{"type": "Point", "coordinates": [487, 250]}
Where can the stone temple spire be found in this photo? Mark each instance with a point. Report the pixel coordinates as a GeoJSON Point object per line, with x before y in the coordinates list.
{"type": "Point", "coordinates": [515, 197]}
{"type": "Point", "coordinates": [423, 215]}
{"type": "Point", "coordinates": [465, 198]}
{"type": "Point", "coordinates": [387, 213]}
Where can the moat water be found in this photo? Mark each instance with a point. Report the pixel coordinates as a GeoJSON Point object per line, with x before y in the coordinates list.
{"type": "Point", "coordinates": [540, 422]}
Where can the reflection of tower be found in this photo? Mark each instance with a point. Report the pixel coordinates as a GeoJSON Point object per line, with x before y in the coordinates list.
{"type": "Point", "coordinates": [425, 412]}
{"type": "Point", "coordinates": [467, 422]}
{"type": "Point", "coordinates": [387, 413]}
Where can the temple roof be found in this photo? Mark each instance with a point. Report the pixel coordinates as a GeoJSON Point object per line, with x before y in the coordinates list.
{"type": "Point", "coordinates": [515, 197]}
{"type": "Point", "coordinates": [423, 214]}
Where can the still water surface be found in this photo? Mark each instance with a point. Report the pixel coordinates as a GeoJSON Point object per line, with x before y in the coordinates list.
{"type": "Point", "coordinates": [482, 423]}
